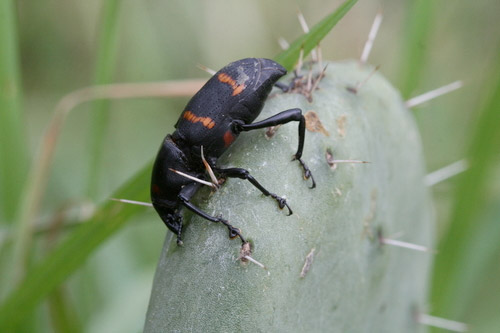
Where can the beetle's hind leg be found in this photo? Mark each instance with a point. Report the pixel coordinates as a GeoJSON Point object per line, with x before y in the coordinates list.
{"type": "Point", "coordinates": [185, 195]}
{"type": "Point", "coordinates": [244, 174]}
{"type": "Point", "coordinates": [279, 119]}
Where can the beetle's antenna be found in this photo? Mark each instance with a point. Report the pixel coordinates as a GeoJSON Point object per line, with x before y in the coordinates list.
{"type": "Point", "coordinates": [214, 179]}
{"type": "Point", "coordinates": [448, 171]}
{"type": "Point", "coordinates": [371, 37]}
{"type": "Point", "coordinates": [450, 325]}
{"type": "Point", "coordinates": [133, 202]}
{"type": "Point", "coordinates": [201, 181]}
{"type": "Point", "coordinates": [206, 69]}
{"type": "Point", "coordinates": [355, 89]}
{"type": "Point", "coordinates": [418, 100]}
{"type": "Point", "coordinates": [283, 43]}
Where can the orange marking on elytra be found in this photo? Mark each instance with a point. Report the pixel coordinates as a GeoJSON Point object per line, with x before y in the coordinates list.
{"type": "Point", "coordinates": [228, 138]}
{"type": "Point", "coordinates": [237, 88]}
{"type": "Point", "coordinates": [205, 121]}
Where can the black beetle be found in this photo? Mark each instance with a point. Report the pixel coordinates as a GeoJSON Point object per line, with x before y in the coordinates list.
{"type": "Point", "coordinates": [223, 108]}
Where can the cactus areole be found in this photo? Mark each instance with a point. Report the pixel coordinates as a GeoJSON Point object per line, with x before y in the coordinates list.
{"type": "Point", "coordinates": [212, 120]}
{"type": "Point", "coordinates": [328, 268]}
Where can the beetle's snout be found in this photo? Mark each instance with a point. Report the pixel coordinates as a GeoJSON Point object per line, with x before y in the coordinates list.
{"type": "Point", "coordinates": [271, 66]}
{"type": "Point", "coordinates": [267, 73]}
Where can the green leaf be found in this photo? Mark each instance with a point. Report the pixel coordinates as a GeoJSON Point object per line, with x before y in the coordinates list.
{"type": "Point", "coordinates": [73, 252]}
{"type": "Point", "coordinates": [62, 312]}
{"type": "Point", "coordinates": [309, 41]}
{"type": "Point", "coordinates": [13, 150]}
{"type": "Point", "coordinates": [416, 38]}
{"type": "Point", "coordinates": [471, 245]}
{"type": "Point", "coordinates": [99, 122]}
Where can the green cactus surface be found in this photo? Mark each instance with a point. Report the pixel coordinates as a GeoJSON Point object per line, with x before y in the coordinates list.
{"type": "Point", "coordinates": [326, 269]}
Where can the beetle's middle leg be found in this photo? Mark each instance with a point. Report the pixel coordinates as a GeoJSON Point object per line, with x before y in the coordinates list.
{"type": "Point", "coordinates": [185, 195]}
{"type": "Point", "coordinates": [279, 119]}
{"type": "Point", "coordinates": [244, 174]}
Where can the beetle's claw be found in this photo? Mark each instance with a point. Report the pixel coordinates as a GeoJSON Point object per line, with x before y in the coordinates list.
{"type": "Point", "coordinates": [236, 232]}
{"type": "Point", "coordinates": [282, 203]}
{"type": "Point", "coordinates": [179, 230]}
{"type": "Point", "coordinates": [307, 175]}
{"type": "Point", "coordinates": [233, 232]}
{"type": "Point", "coordinates": [307, 171]}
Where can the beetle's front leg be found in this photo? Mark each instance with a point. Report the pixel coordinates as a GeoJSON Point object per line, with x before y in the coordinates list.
{"type": "Point", "coordinates": [185, 195]}
{"type": "Point", "coordinates": [171, 218]}
{"type": "Point", "coordinates": [244, 174]}
{"type": "Point", "coordinates": [279, 119]}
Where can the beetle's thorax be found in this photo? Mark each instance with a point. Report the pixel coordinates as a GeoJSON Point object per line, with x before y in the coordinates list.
{"type": "Point", "coordinates": [235, 93]}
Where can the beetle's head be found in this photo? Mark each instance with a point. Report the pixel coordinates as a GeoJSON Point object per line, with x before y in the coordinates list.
{"type": "Point", "coordinates": [265, 73]}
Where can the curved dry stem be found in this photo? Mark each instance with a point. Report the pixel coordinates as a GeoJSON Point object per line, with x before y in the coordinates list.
{"type": "Point", "coordinates": [39, 173]}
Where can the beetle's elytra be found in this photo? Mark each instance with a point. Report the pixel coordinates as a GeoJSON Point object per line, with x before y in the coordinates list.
{"type": "Point", "coordinates": [223, 108]}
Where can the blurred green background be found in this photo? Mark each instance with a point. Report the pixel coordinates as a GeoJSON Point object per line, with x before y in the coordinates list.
{"type": "Point", "coordinates": [65, 45]}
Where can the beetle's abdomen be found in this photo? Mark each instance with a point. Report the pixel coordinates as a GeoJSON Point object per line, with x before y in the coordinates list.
{"type": "Point", "coordinates": [166, 184]}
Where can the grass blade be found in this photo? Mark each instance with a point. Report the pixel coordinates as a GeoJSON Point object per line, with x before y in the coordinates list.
{"type": "Point", "coordinates": [32, 193]}
{"type": "Point", "coordinates": [471, 245]}
{"type": "Point", "coordinates": [63, 313]}
{"type": "Point", "coordinates": [73, 252]}
{"type": "Point", "coordinates": [13, 150]}
{"type": "Point", "coordinates": [419, 24]}
{"type": "Point", "coordinates": [309, 41]}
{"type": "Point", "coordinates": [99, 121]}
